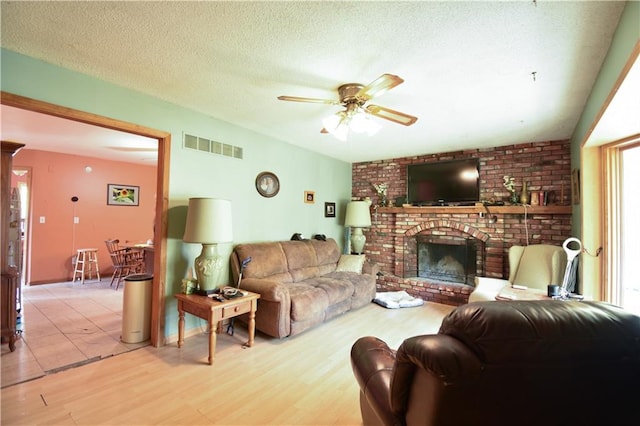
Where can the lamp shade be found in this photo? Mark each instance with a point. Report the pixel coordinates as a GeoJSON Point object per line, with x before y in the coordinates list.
{"type": "Point", "coordinates": [358, 215]}
{"type": "Point", "coordinates": [208, 221]}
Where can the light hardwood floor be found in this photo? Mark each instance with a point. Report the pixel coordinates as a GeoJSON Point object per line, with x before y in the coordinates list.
{"type": "Point", "coordinates": [306, 379]}
{"type": "Point", "coordinates": [65, 324]}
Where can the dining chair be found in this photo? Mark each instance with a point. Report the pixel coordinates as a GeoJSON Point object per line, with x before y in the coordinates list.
{"type": "Point", "coordinates": [125, 261]}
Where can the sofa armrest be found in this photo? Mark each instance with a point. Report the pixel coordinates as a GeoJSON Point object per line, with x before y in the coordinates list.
{"type": "Point", "coordinates": [487, 289]}
{"type": "Point", "coordinates": [270, 290]}
{"type": "Point", "coordinates": [370, 267]}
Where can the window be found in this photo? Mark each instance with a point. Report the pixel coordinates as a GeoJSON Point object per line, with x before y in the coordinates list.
{"type": "Point", "coordinates": [623, 227]}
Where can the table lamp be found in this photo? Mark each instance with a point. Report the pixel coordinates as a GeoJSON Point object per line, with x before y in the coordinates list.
{"type": "Point", "coordinates": [208, 223]}
{"type": "Point", "coordinates": [357, 217]}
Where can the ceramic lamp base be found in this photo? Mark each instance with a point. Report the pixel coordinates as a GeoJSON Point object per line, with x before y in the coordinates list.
{"type": "Point", "coordinates": [357, 240]}
{"type": "Point", "coordinates": [208, 267]}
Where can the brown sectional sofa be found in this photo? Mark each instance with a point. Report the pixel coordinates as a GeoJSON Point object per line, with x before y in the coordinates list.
{"type": "Point", "coordinates": [300, 283]}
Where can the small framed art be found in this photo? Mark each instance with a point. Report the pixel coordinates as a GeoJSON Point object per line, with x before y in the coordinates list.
{"type": "Point", "coordinates": [309, 197]}
{"type": "Point", "coordinates": [123, 195]}
{"type": "Point", "coordinates": [329, 209]}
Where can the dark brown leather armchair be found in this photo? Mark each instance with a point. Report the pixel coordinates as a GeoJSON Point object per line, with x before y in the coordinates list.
{"type": "Point", "coordinates": [507, 363]}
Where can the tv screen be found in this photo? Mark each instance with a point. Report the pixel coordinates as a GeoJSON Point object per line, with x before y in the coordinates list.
{"type": "Point", "coordinates": [443, 182]}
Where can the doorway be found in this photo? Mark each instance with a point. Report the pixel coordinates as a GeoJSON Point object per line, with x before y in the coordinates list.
{"type": "Point", "coordinates": [160, 224]}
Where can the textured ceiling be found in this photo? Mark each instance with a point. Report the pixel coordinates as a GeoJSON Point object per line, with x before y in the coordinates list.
{"type": "Point", "coordinates": [468, 66]}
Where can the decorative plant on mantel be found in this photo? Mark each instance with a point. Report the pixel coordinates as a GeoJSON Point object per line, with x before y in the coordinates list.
{"type": "Point", "coordinates": [381, 189]}
{"type": "Point", "coordinates": [510, 184]}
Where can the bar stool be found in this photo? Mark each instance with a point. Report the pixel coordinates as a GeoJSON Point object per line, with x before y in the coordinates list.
{"type": "Point", "coordinates": [86, 263]}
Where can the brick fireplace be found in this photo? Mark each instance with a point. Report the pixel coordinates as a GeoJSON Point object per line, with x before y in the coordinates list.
{"type": "Point", "coordinates": [392, 240]}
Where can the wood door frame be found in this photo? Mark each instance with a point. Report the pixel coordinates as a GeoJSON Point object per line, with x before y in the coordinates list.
{"type": "Point", "coordinates": [162, 188]}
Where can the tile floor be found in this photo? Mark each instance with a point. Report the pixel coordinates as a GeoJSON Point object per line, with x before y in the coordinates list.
{"type": "Point", "coordinates": [65, 324]}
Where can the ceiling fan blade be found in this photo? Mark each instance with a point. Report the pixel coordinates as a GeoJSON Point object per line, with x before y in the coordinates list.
{"type": "Point", "coordinates": [311, 100]}
{"type": "Point", "coordinates": [391, 115]}
{"type": "Point", "coordinates": [379, 86]}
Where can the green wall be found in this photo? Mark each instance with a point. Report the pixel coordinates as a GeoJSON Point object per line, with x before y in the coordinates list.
{"type": "Point", "coordinates": [624, 41]}
{"type": "Point", "coordinates": [198, 174]}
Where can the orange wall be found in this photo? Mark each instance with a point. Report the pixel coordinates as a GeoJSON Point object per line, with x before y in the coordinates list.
{"type": "Point", "coordinates": [55, 178]}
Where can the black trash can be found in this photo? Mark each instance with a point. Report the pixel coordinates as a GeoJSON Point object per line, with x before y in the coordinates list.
{"type": "Point", "coordinates": [136, 308]}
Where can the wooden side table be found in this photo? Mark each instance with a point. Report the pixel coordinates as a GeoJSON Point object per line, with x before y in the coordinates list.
{"type": "Point", "coordinates": [214, 311]}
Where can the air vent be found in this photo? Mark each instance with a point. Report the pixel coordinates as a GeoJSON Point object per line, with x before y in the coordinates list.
{"type": "Point", "coordinates": [198, 143]}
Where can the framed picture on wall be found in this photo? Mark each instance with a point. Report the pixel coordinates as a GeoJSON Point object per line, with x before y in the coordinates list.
{"type": "Point", "coordinates": [575, 186]}
{"type": "Point", "coordinates": [309, 197]}
{"type": "Point", "coordinates": [267, 184]}
{"type": "Point", "coordinates": [329, 209]}
{"type": "Point", "coordinates": [123, 195]}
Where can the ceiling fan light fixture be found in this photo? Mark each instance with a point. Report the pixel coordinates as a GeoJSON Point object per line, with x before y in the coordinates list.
{"type": "Point", "coordinates": [361, 123]}
{"type": "Point", "coordinates": [332, 121]}
{"type": "Point", "coordinates": [338, 125]}
{"type": "Point", "coordinates": [341, 132]}
{"type": "Point", "coordinates": [351, 120]}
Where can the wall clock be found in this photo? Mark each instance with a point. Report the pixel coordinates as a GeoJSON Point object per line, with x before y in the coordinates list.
{"type": "Point", "coordinates": [267, 184]}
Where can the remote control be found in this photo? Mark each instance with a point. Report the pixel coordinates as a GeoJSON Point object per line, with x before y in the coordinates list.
{"type": "Point", "coordinates": [519, 287]}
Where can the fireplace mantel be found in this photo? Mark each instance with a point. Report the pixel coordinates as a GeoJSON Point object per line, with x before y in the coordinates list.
{"type": "Point", "coordinates": [477, 209]}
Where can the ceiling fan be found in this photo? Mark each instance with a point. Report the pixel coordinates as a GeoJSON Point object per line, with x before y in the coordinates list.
{"type": "Point", "coordinates": [354, 97]}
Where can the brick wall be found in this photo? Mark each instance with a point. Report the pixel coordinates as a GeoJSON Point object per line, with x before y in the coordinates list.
{"type": "Point", "coordinates": [545, 166]}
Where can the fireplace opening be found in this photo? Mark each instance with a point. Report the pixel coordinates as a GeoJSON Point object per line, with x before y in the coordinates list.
{"type": "Point", "coordinates": [444, 258]}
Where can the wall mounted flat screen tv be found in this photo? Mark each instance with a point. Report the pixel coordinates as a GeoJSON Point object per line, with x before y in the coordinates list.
{"type": "Point", "coordinates": [443, 182]}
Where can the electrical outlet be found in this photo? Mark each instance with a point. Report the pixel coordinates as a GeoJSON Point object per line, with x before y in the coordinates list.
{"type": "Point", "coordinates": [76, 219]}
{"type": "Point", "coordinates": [41, 219]}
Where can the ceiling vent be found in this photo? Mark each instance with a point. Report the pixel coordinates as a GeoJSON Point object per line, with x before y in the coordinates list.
{"type": "Point", "coordinates": [213, 147]}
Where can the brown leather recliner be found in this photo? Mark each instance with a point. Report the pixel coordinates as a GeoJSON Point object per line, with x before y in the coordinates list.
{"type": "Point", "coordinates": [507, 363]}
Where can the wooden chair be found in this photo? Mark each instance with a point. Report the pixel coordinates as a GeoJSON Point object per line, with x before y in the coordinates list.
{"type": "Point", "coordinates": [125, 261]}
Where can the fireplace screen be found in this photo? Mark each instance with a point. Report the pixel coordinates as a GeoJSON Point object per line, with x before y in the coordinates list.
{"type": "Point", "coordinates": [444, 259]}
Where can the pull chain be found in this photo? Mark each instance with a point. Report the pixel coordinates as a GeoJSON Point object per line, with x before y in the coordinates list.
{"type": "Point", "coordinates": [598, 251]}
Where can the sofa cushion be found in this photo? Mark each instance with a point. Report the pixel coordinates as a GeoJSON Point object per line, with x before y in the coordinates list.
{"type": "Point", "coordinates": [301, 258]}
{"type": "Point", "coordinates": [267, 259]}
{"type": "Point", "coordinates": [304, 273]}
{"type": "Point", "coordinates": [337, 290]}
{"type": "Point", "coordinates": [327, 253]}
{"type": "Point", "coordinates": [351, 263]}
{"type": "Point", "coordinates": [299, 254]}
{"type": "Point", "coordinates": [307, 302]}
